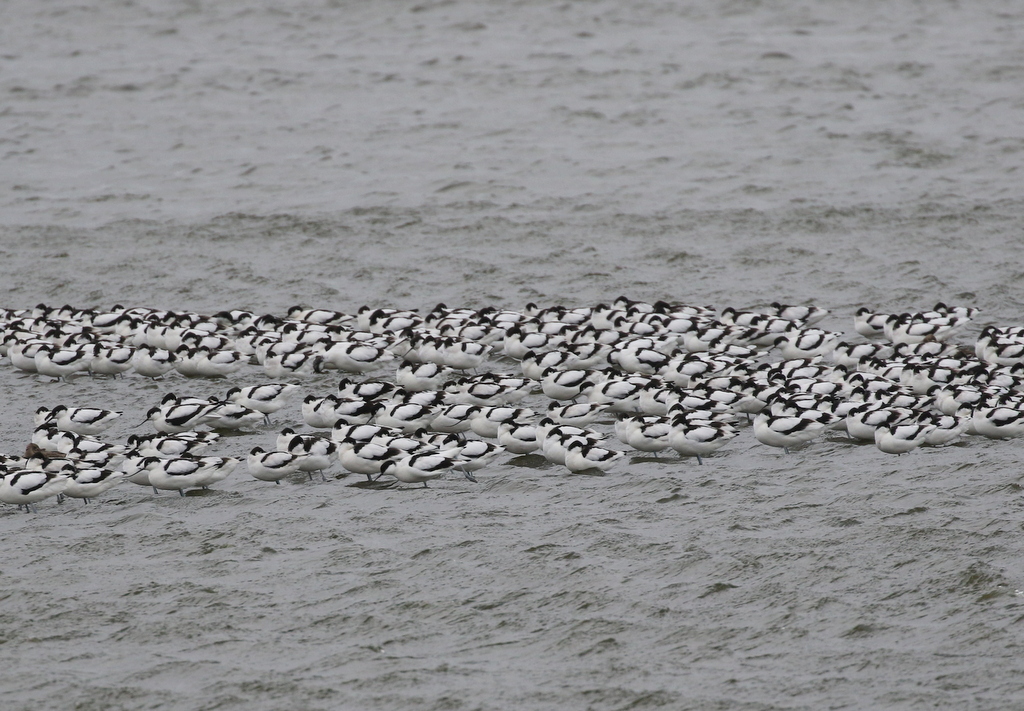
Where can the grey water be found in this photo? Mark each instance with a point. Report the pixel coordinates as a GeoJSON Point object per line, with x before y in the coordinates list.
{"type": "Point", "coordinates": [204, 156]}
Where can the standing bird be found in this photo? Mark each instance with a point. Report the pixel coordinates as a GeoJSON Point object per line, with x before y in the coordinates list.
{"type": "Point", "coordinates": [232, 416]}
{"type": "Point", "coordinates": [415, 377]}
{"type": "Point", "coordinates": [581, 455]}
{"type": "Point", "coordinates": [420, 468]}
{"type": "Point", "coordinates": [59, 363]}
{"type": "Point", "coordinates": [80, 420]}
{"type": "Point", "coordinates": [25, 487]}
{"type": "Point", "coordinates": [518, 437]}
{"type": "Point", "coordinates": [477, 454]}
{"type": "Point", "coordinates": [186, 473]}
{"type": "Point", "coordinates": [355, 357]}
{"type": "Point", "coordinates": [272, 466]}
{"type": "Point", "coordinates": [566, 384]}
{"type": "Point", "coordinates": [901, 438]}
{"type": "Point", "coordinates": [87, 484]}
{"type": "Point", "coordinates": [267, 398]}
{"type": "Point", "coordinates": [151, 362]}
{"type": "Point", "coordinates": [112, 361]}
{"type": "Point", "coordinates": [699, 439]}
{"type": "Point", "coordinates": [316, 453]}
{"type": "Point", "coordinates": [787, 431]}
{"type": "Point", "coordinates": [175, 418]}
{"type": "Point", "coordinates": [364, 457]}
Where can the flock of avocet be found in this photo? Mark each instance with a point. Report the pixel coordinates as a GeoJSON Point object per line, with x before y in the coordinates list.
{"type": "Point", "coordinates": [659, 376]}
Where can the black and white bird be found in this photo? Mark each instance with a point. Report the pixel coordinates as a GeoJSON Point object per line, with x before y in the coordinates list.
{"type": "Point", "coordinates": [233, 416]}
{"type": "Point", "coordinates": [454, 418]}
{"type": "Point", "coordinates": [356, 357]}
{"type": "Point", "coordinates": [582, 456]}
{"type": "Point", "coordinates": [415, 377]}
{"type": "Point", "coordinates": [111, 360]}
{"type": "Point", "coordinates": [518, 343]}
{"type": "Point", "coordinates": [316, 452]}
{"type": "Point", "coordinates": [151, 362]}
{"type": "Point", "coordinates": [567, 384]}
{"type": "Point", "coordinates": [807, 343]}
{"type": "Point", "coordinates": [365, 390]}
{"type": "Point", "coordinates": [518, 437]}
{"type": "Point", "coordinates": [998, 422]}
{"type": "Point", "coordinates": [555, 440]}
{"type": "Point", "coordinates": [533, 364]}
{"type": "Point", "coordinates": [863, 420]}
{"type": "Point", "coordinates": [477, 454]}
{"type": "Point", "coordinates": [808, 315]}
{"type": "Point", "coordinates": [173, 418]}
{"type": "Point", "coordinates": [869, 324]}
{"type": "Point", "coordinates": [319, 412]}
{"type": "Point", "coordinates": [267, 398]}
{"type": "Point", "coordinates": [420, 468]}
{"type": "Point", "coordinates": [59, 363]}
{"type": "Point", "coordinates": [365, 458]}
{"type": "Point", "coordinates": [577, 414]}
{"type": "Point", "coordinates": [900, 439]}
{"type": "Point", "coordinates": [407, 417]}
{"type": "Point", "coordinates": [272, 466]}
{"type": "Point", "coordinates": [699, 439]}
{"type": "Point", "coordinates": [463, 355]}
{"type": "Point", "coordinates": [80, 420]}
{"type": "Point", "coordinates": [26, 487]}
{"type": "Point", "coordinates": [181, 473]}
{"type": "Point", "coordinates": [619, 394]}
{"type": "Point", "coordinates": [357, 434]}
{"type": "Point", "coordinates": [295, 364]}
{"type": "Point", "coordinates": [488, 420]}
{"type": "Point", "coordinates": [486, 391]}
{"type": "Point", "coordinates": [167, 446]}
{"type": "Point", "coordinates": [89, 483]}
{"type": "Point", "coordinates": [218, 363]}
{"type": "Point", "coordinates": [645, 434]}
{"type": "Point", "coordinates": [787, 431]}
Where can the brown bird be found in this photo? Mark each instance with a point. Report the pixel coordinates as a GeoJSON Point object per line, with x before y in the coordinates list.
{"type": "Point", "coordinates": [34, 449]}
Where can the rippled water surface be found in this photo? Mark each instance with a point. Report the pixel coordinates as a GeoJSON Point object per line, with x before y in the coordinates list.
{"type": "Point", "coordinates": [207, 156]}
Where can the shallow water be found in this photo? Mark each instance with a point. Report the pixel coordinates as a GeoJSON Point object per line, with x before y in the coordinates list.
{"type": "Point", "coordinates": [210, 156]}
